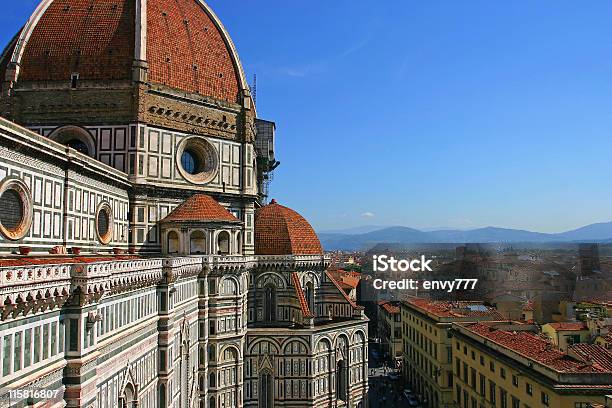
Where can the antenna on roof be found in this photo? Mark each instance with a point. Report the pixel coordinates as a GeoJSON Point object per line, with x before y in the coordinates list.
{"type": "Point", "coordinates": [254, 90]}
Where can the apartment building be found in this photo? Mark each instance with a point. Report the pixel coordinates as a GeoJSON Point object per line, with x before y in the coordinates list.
{"type": "Point", "coordinates": [510, 365]}
{"type": "Point", "coordinates": [426, 345]}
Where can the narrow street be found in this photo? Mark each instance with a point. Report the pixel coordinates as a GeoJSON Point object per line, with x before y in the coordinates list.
{"type": "Point", "coordinates": [385, 389]}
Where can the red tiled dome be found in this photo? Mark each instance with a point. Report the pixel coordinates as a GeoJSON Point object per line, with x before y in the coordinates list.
{"type": "Point", "coordinates": [95, 39]}
{"type": "Point", "coordinates": [187, 48]}
{"type": "Point", "coordinates": [281, 231]}
{"type": "Point", "coordinates": [200, 207]}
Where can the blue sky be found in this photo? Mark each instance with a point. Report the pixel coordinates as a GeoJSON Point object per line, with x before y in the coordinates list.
{"type": "Point", "coordinates": [439, 113]}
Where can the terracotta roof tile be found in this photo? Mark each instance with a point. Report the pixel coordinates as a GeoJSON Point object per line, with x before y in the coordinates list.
{"type": "Point", "coordinates": [534, 348]}
{"type": "Point", "coordinates": [592, 352]}
{"type": "Point", "coordinates": [95, 39]}
{"type": "Point", "coordinates": [281, 231]}
{"type": "Point", "coordinates": [455, 309]}
{"type": "Point", "coordinates": [346, 297]}
{"type": "Point", "coordinates": [200, 207]}
{"type": "Point", "coordinates": [186, 50]}
{"type": "Point", "coordinates": [528, 306]}
{"type": "Point", "coordinates": [569, 326]}
{"type": "Point", "coordinates": [300, 295]}
{"type": "Point", "coordinates": [389, 308]}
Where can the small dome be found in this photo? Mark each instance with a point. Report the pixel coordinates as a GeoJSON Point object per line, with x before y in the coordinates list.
{"type": "Point", "coordinates": [200, 208]}
{"type": "Point", "coordinates": [281, 231]}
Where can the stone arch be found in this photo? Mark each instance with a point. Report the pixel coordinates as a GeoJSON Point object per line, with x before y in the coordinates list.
{"type": "Point", "coordinates": [197, 242]}
{"type": "Point", "coordinates": [173, 243]}
{"type": "Point", "coordinates": [75, 137]}
{"type": "Point", "coordinates": [238, 240]}
{"type": "Point", "coordinates": [229, 285]}
{"type": "Point", "coordinates": [232, 349]}
{"type": "Point", "coordinates": [324, 340]}
{"type": "Point", "coordinates": [223, 243]}
{"type": "Point", "coordinates": [289, 343]}
{"type": "Point", "coordinates": [360, 336]}
{"type": "Point", "coordinates": [128, 396]}
{"type": "Point", "coordinates": [265, 277]}
{"type": "Point", "coordinates": [273, 347]}
{"type": "Point", "coordinates": [342, 345]}
{"type": "Point", "coordinates": [310, 276]}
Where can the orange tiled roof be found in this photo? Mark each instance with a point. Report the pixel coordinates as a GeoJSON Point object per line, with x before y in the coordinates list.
{"type": "Point", "coordinates": [569, 326]}
{"type": "Point", "coordinates": [534, 348]}
{"type": "Point", "coordinates": [454, 309]}
{"type": "Point", "coordinates": [281, 231]}
{"type": "Point", "coordinates": [347, 279]}
{"type": "Point", "coordinates": [337, 285]}
{"type": "Point", "coordinates": [592, 352]}
{"type": "Point", "coordinates": [300, 295]}
{"type": "Point", "coordinates": [200, 207]}
{"type": "Point", "coordinates": [389, 308]}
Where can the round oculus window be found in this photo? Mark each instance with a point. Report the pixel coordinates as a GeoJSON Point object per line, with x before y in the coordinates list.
{"type": "Point", "coordinates": [104, 223]}
{"type": "Point", "coordinates": [15, 209]}
{"type": "Point", "coordinates": [197, 160]}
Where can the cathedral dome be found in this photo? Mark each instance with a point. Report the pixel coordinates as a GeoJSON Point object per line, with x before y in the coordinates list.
{"type": "Point", "coordinates": [182, 44]}
{"type": "Point", "coordinates": [281, 231]}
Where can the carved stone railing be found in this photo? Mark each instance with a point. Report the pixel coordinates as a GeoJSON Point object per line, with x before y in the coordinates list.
{"type": "Point", "coordinates": [294, 262]}
{"type": "Point", "coordinates": [27, 287]}
{"type": "Point", "coordinates": [33, 288]}
{"type": "Point", "coordinates": [32, 274]}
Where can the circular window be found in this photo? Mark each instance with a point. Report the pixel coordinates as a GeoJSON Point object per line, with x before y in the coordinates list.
{"type": "Point", "coordinates": [15, 208]}
{"type": "Point", "coordinates": [197, 160]}
{"type": "Point", "coordinates": [189, 161]}
{"type": "Point", "coordinates": [104, 223]}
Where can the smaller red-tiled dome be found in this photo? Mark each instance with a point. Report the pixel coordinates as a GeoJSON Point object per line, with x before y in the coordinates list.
{"type": "Point", "coordinates": [281, 231]}
{"type": "Point", "coordinates": [200, 207]}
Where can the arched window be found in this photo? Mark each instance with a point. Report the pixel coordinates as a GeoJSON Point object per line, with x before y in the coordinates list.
{"type": "Point", "coordinates": [266, 391]}
{"type": "Point", "coordinates": [75, 137]}
{"type": "Point", "coordinates": [223, 243]}
{"type": "Point", "coordinates": [341, 381]}
{"type": "Point", "coordinates": [197, 243]}
{"type": "Point", "coordinates": [173, 242]}
{"type": "Point", "coordinates": [128, 399]}
{"type": "Point", "coordinates": [309, 294]}
{"type": "Point", "coordinates": [211, 380]}
{"type": "Point", "coordinates": [239, 243]}
{"type": "Point", "coordinates": [211, 353]}
{"type": "Point", "coordinates": [269, 304]}
{"type": "Point", "coordinates": [213, 402]}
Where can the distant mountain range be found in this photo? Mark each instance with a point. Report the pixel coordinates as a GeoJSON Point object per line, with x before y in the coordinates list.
{"type": "Point", "coordinates": [368, 236]}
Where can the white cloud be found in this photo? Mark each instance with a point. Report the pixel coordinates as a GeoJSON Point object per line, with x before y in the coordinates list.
{"type": "Point", "coordinates": [367, 214]}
